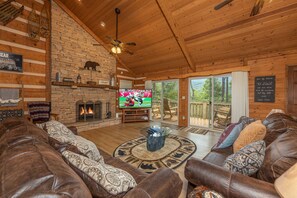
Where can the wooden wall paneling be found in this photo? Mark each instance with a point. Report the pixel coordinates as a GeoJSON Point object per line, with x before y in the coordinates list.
{"type": "Point", "coordinates": [48, 59]}
{"type": "Point", "coordinates": [12, 37]}
{"type": "Point", "coordinates": [183, 103]}
{"type": "Point", "coordinates": [276, 66]}
{"type": "Point", "coordinates": [33, 81]}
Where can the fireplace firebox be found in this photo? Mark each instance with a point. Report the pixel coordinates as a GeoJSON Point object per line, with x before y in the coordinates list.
{"type": "Point", "coordinates": [88, 111]}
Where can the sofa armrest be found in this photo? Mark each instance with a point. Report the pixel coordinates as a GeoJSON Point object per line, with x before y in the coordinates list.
{"type": "Point", "coordinates": [227, 183]}
{"type": "Point", "coordinates": [73, 129]}
{"type": "Point", "coordinates": [164, 183]}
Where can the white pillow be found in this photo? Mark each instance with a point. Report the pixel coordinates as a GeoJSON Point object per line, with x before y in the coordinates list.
{"type": "Point", "coordinates": [88, 148]}
{"type": "Point", "coordinates": [54, 127]}
{"type": "Point", "coordinates": [113, 180]}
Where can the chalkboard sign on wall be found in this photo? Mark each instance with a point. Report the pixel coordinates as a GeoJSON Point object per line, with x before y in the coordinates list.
{"type": "Point", "coordinates": [265, 89]}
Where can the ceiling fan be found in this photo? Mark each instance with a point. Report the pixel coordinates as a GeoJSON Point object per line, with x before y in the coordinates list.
{"type": "Point", "coordinates": [117, 45]}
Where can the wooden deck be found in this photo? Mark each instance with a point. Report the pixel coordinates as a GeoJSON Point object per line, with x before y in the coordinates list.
{"type": "Point", "coordinates": [109, 138]}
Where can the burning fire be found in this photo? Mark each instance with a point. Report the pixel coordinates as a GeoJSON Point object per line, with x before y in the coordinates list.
{"type": "Point", "coordinates": [84, 111]}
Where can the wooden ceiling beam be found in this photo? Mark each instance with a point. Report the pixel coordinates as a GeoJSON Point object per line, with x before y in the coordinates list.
{"type": "Point", "coordinates": [239, 23]}
{"type": "Point", "coordinates": [162, 4]}
{"type": "Point", "coordinates": [89, 31]}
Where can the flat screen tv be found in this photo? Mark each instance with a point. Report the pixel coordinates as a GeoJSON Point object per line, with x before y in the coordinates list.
{"type": "Point", "coordinates": [135, 98]}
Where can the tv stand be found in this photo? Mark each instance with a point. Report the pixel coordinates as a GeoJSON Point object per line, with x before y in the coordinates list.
{"type": "Point", "coordinates": [135, 115]}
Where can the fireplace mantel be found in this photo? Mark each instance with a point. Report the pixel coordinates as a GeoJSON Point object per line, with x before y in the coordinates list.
{"type": "Point", "coordinates": [69, 84]}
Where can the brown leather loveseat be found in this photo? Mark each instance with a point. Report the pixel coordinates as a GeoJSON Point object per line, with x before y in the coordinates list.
{"type": "Point", "coordinates": [31, 167]}
{"type": "Point", "coordinates": [280, 155]}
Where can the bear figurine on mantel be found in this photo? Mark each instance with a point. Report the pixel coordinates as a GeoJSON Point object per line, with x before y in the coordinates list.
{"type": "Point", "coordinates": [92, 65]}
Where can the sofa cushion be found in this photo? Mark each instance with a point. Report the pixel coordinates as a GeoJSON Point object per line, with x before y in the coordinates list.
{"type": "Point", "coordinates": [277, 124]}
{"type": "Point", "coordinates": [102, 179]}
{"type": "Point", "coordinates": [16, 131]}
{"type": "Point", "coordinates": [280, 155]}
{"type": "Point", "coordinates": [247, 160]}
{"type": "Point", "coordinates": [36, 170]}
{"type": "Point", "coordinates": [218, 156]}
{"type": "Point", "coordinates": [251, 133]}
{"type": "Point", "coordinates": [229, 135]}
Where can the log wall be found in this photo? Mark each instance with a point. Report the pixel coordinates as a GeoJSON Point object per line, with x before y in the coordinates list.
{"type": "Point", "coordinates": [34, 81]}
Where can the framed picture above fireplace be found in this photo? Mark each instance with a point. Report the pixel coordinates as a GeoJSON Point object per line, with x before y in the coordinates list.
{"type": "Point", "coordinates": [11, 62]}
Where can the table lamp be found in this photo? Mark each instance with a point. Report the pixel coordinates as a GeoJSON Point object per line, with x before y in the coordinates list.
{"type": "Point", "coordinates": [286, 184]}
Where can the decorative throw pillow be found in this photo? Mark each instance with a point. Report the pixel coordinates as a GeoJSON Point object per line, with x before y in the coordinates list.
{"type": "Point", "coordinates": [246, 121]}
{"type": "Point", "coordinates": [57, 129]}
{"type": "Point", "coordinates": [247, 160]}
{"type": "Point", "coordinates": [230, 135]}
{"type": "Point", "coordinates": [99, 177]}
{"type": "Point", "coordinates": [225, 134]}
{"type": "Point", "coordinates": [204, 192]}
{"type": "Point", "coordinates": [61, 133]}
{"type": "Point", "coordinates": [88, 148]}
{"type": "Point", "coordinates": [251, 133]}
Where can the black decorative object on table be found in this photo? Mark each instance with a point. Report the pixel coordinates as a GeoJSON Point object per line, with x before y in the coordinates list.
{"type": "Point", "coordinates": [156, 138]}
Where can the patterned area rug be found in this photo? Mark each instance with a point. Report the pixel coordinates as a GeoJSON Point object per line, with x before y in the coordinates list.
{"type": "Point", "coordinates": [176, 150]}
{"type": "Point", "coordinates": [196, 130]}
{"type": "Point", "coordinates": [200, 131]}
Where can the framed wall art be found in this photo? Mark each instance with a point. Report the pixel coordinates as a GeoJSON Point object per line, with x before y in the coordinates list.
{"type": "Point", "coordinates": [11, 62]}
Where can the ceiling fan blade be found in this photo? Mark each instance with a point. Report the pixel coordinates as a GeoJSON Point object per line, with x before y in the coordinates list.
{"type": "Point", "coordinates": [128, 51]}
{"type": "Point", "coordinates": [97, 44]}
{"type": "Point", "coordinates": [114, 42]}
{"type": "Point", "coordinates": [257, 7]}
{"type": "Point", "coordinates": [131, 43]}
{"type": "Point", "coordinates": [219, 6]}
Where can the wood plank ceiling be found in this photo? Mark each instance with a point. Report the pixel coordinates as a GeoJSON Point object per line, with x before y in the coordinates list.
{"type": "Point", "coordinates": [178, 34]}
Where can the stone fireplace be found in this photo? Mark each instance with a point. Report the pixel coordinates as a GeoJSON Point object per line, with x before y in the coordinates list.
{"type": "Point", "coordinates": [88, 111]}
{"type": "Point", "coordinates": [83, 105]}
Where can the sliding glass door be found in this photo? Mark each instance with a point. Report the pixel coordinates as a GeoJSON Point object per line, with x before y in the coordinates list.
{"type": "Point", "coordinates": [165, 101]}
{"type": "Point", "coordinates": [210, 101]}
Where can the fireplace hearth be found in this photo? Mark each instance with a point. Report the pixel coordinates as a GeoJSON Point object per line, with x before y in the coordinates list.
{"type": "Point", "coordinates": [88, 111]}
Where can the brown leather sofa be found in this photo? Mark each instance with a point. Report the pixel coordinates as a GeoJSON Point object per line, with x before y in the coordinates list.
{"type": "Point", "coordinates": [31, 167]}
{"type": "Point", "coordinates": [280, 155]}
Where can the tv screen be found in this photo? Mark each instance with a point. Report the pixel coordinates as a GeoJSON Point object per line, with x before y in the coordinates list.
{"type": "Point", "coordinates": [135, 98]}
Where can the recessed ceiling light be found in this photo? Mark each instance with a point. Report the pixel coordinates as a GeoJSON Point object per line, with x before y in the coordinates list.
{"type": "Point", "coordinates": [102, 24]}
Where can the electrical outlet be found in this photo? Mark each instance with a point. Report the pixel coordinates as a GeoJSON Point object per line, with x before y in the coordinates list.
{"type": "Point", "coordinates": [183, 97]}
{"type": "Point", "coordinates": [184, 117]}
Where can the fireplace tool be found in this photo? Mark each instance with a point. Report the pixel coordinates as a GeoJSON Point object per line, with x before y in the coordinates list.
{"type": "Point", "coordinates": [108, 112]}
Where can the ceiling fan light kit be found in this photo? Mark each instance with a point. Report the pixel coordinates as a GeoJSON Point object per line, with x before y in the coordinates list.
{"type": "Point", "coordinates": [117, 46]}
{"type": "Point", "coordinates": [116, 50]}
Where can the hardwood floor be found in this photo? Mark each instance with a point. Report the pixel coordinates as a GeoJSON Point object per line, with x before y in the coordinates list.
{"type": "Point", "coordinates": [109, 138]}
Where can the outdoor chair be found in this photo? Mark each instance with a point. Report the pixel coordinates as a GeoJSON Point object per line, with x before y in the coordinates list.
{"type": "Point", "coordinates": [167, 109]}
{"type": "Point", "coordinates": [222, 115]}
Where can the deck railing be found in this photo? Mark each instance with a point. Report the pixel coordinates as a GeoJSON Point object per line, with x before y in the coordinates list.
{"type": "Point", "coordinates": [202, 109]}
{"type": "Point", "coordinates": [197, 109]}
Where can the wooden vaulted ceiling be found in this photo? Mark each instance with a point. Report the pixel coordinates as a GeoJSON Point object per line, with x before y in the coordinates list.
{"type": "Point", "coordinates": [182, 34]}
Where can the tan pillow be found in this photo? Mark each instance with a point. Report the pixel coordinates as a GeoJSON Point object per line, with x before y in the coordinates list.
{"type": "Point", "coordinates": [253, 132]}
